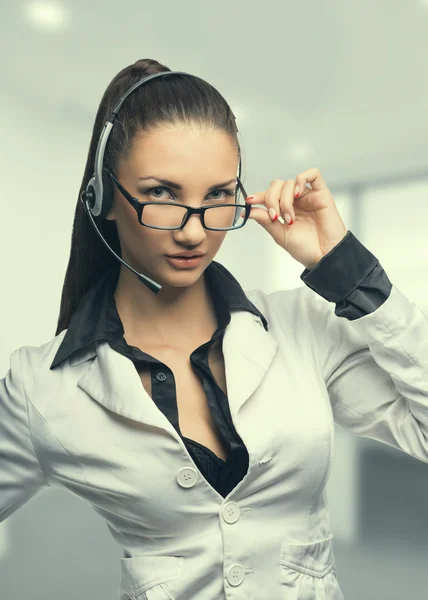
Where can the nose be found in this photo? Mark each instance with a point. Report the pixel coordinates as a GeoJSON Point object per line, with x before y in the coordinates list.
{"type": "Point", "coordinates": [192, 233]}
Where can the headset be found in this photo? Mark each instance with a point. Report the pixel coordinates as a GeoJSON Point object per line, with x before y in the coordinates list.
{"type": "Point", "coordinates": [98, 196]}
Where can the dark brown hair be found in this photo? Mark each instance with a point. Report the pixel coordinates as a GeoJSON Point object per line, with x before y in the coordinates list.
{"type": "Point", "coordinates": [165, 100]}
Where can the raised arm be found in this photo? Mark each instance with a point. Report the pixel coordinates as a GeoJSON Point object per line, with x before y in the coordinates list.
{"type": "Point", "coordinates": [373, 346]}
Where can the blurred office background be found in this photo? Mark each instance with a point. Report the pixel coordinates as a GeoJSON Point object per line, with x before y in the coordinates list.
{"type": "Point", "coordinates": [336, 84]}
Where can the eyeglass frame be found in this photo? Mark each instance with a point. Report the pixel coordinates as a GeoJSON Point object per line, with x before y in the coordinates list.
{"type": "Point", "coordinates": [139, 206]}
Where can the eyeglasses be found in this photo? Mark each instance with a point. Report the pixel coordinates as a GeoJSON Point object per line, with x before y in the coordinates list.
{"type": "Point", "coordinates": [170, 215]}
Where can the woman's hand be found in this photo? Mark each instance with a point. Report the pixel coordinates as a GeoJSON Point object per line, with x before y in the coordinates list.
{"type": "Point", "coordinates": [316, 225]}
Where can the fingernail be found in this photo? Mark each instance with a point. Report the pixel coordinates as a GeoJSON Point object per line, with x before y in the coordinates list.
{"type": "Point", "coordinates": [249, 197]}
{"type": "Point", "coordinates": [288, 219]}
{"type": "Point", "coordinates": [297, 192]}
{"type": "Point", "coordinates": [272, 214]}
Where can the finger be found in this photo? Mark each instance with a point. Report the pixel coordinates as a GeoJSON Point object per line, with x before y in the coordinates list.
{"type": "Point", "coordinates": [301, 189]}
{"type": "Point", "coordinates": [256, 198]}
{"type": "Point", "coordinates": [314, 177]}
{"type": "Point", "coordinates": [286, 201]}
{"type": "Point", "coordinates": [273, 198]}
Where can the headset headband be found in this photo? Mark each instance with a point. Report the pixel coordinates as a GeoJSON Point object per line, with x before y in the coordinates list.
{"type": "Point", "coordinates": [96, 182]}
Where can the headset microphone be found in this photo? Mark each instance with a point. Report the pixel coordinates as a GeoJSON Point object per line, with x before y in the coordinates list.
{"type": "Point", "coordinates": [88, 200]}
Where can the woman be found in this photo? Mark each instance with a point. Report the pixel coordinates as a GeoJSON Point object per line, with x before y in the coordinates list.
{"type": "Point", "coordinates": [197, 419]}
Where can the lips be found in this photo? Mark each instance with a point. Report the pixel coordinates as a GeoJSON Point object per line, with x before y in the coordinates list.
{"type": "Point", "coordinates": [184, 255]}
{"type": "Point", "coordinates": [184, 263]}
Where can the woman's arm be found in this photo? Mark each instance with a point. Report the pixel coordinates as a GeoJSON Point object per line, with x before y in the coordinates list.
{"type": "Point", "coordinates": [375, 366]}
{"type": "Point", "coordinates": [21, 475]}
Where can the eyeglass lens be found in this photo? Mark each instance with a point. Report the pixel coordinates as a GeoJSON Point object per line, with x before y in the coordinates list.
{"type": "Point", "coordinates": [170, 216]}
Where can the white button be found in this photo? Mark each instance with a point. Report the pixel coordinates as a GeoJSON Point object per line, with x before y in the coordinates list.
{"type": "Point", "coordinates": [231, 512]}
{"type": "Point", "coordinates": [187, 477]}
{"type": "Point", "coordinates": [236, 575]}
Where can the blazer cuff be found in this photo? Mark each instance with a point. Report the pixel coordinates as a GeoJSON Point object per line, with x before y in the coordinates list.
{"type": "Point", "coordinates": [341, 270]}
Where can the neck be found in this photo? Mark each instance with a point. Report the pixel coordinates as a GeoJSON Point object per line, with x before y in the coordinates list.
{"type": "Point", "coordinates": [172, 315]}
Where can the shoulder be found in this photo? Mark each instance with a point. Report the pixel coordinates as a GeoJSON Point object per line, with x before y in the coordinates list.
{"type": "Point", "coordinates": [48, 390]}
{"type": "Point", "coordinates": [40, 357]}
{"type": "Point", "coordinates": [36, 376]}
{"type": "Point", "coordinates": [300, 306]}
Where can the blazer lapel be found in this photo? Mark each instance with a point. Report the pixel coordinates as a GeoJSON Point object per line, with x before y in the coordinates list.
{"type": "Point", "coordinates": [248, 351]}
{"type": "Point", "coordinates": [112, 380]}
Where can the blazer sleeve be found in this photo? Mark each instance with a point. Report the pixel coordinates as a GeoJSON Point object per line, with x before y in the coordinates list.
{"type": "Point", "coordinates": [21, 475]}
{"type": "Point", "coordinates": [375, 366]}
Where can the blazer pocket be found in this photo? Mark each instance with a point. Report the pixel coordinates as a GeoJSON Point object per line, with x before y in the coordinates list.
{"type": "Point", "coordinates": [149, 577]}
{"type": "Point", "coordinates": [308, 571]}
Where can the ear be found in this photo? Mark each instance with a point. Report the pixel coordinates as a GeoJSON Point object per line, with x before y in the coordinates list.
{"type": "Point", "coordinates": [111, 215]}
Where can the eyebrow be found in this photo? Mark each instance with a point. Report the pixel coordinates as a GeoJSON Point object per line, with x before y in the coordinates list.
{"type": "Point", "coordinates": [179, 187]}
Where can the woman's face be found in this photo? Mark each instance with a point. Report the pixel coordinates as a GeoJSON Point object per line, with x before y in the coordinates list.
{"type": "Point", "coordinates": [193, 159]}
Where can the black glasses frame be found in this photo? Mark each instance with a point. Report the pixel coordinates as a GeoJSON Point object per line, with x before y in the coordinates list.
{"type": "Point", "coordinates": [139, 206]}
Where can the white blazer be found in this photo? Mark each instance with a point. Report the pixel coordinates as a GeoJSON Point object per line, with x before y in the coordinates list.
{"type": "Point", "coordinates": [90, 427]}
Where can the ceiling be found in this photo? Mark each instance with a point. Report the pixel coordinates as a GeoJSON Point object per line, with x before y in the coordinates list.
{"type": "Point", "coordinates": [336, 84]}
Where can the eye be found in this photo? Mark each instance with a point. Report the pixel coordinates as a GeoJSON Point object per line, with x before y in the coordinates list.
{"type": "Point", "coordinates": [150, 191]}
{"type": "Point", "coordinates": [228, 193]}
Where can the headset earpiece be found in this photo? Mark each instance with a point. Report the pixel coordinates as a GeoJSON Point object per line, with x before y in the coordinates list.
{"type": "Point", "coordinates": [89, 196]}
